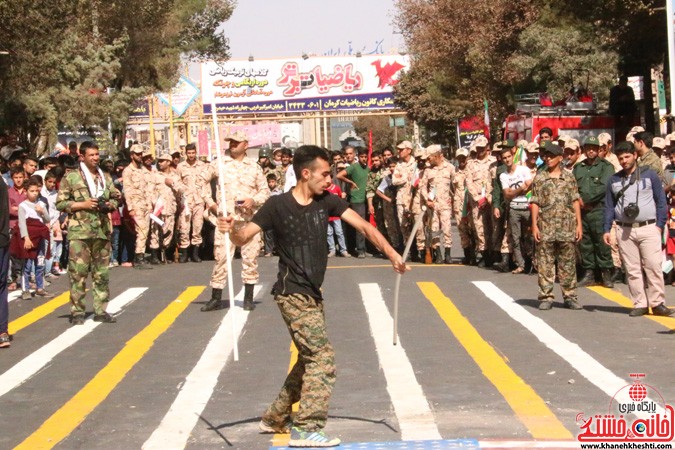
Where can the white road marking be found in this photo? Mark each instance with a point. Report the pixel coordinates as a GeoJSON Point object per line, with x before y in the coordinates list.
{"type": "Point", "coordinates": [603, 378]}
{"type": "Point", "coordinates": [37, 360]}
{"type": "Point", "coordinates": [415, 418]}
{"type": "Point", "coordinates": [176, 426]}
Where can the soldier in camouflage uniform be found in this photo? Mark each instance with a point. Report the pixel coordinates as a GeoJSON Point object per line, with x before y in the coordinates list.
{"type": "Point", "coordinates": [375, 203]}
{"type": "Point", "coordinates": [167, 186]}
{"type": "Point", "coordinates": [386, 191]}
{"type": "Point", "coordinates": [87, 195]}
{"type": "Point", "coordinates": [481, 171]}
{"type": "Point", "coordinates": [192, 216]}
{"type": "Point", "coordinates": [556, 227]}
{"type": "Point", "coordinates": [246, 191]}
{"type": "Point", "coordinates": [402, 178]}
{"type": "Point", "coordinates": [438, 179]}
{"type": "Point", "coordinates": [460, 205]}
{"type": "Point", "coordinates": [136, 181]}
{"type": "Point", "coordinates": [280, 170]}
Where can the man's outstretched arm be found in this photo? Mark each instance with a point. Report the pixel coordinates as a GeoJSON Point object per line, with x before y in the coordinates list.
{"type": "Point", "coordinates": [239, 234]}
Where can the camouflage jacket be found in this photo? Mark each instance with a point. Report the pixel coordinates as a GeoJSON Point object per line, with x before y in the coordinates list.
{"type": "Point", "coordinates": [555, 197]}
{"type": "Point", "coordinates": [191, 179]}
{"type": "Point", "coordinates": [438, 178]}
{"type": "Point", "coordinates": [137, 185]}
{"type": "Point", "coordinates": [402, 178]}
{"type": "Point", "coordinates": [243, 179]}
{"type": "Point", "coordinates": [459, 185]}
{"type": "Point", "coordinates": [85, 224]}
{"type": "Point", "coordinates": [651, 160]}
{"type": "Point", "coordinates": [171, 195]}
{"type": "Point", "coordinates": [374, 180]}
{"type": "Point", "coordinates": [481, 173]}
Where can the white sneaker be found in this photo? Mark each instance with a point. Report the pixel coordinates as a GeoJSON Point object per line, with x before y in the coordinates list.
{"type": "Point", "coordinates": [331, 254]}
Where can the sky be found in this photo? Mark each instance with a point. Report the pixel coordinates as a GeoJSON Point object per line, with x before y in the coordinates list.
{"type": "Point", "coordinates": [287, 28]}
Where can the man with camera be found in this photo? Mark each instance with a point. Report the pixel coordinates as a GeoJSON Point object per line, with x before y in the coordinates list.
{"type": "Point", "coordinates": [88, 195]}
{"type": "Point", "coordinates": [635, 200]}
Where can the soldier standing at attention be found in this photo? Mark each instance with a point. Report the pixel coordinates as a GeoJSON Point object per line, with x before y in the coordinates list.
{"type": "Point", "coordinates": [438, 178]}
{"type": "Point", "coordinates": [136, 188]}
{"type": "Point", "coordinates": [168, 187]}
{"type": "Point", "coordinates": [460, 205]}
{"type": "Point", "coordinates": [246, 191]}
{"type": "Point", "coordinates": [479, 181]}
{"type": "Point", "coordinates": [402, 178]}
{"type": "Point", "coordinates": [556, 226]}
{"type": "Point", "coordinates": [592, 175]}
{"type": "Point", "coordinates": [88, 195]}
{"type": "Point", "coordinates": [191, 219]}
{"type": "Point", "coordinates": [299, 219]}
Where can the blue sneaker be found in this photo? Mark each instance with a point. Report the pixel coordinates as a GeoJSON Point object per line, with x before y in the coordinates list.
{"type": "Point", "coordinates": [311, 439]}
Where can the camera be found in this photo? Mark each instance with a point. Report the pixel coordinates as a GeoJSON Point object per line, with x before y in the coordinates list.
{"type": "Point", "coordinates": [631, 210]}
{"type": "Point", "coordinates": [103, 206]}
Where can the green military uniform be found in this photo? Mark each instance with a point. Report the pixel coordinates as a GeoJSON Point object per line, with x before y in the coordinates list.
{"type": "Point", "coordinates": [373, 181]}
{"type": "Point", "coordinates": [592, 182]}
{"type": "Point", "coordinates": [557, 224]}
{"type": "Point", "coordinates": [89, 237]}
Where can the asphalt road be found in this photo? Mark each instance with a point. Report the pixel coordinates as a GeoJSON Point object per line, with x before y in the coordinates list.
{"type": "Point", "coordinates": [477, 365]}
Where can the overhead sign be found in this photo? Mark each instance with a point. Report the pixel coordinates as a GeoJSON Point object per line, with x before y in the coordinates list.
{"type": "Point", "coordinates": [300, 85]}
{"type": "Point", "coordinates": [182, 96]}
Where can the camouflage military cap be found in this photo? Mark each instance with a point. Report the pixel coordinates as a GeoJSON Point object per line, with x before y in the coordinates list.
{"type": "Point", "coordinates": [604, 138]}
{"type": "Point", "coordinates": [434, 149]}
{"type": "Point", "coordinates": [136, 148]}
{"type": "Point", "coordinates": [237, 136]}
{"type": "Point", "coordinates": [659, 142]}
{"type": "Point", "coordinates": [481, 141]}
{"type": "Point", "coordinates": [164, 156]}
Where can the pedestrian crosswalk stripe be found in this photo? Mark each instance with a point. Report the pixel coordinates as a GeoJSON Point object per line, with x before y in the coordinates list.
{"type": "Point", "coordinates": [174, 429]}
{"type": "Point", "coordinates": [414, 416]}
{"type": "Point", "coordinates": [69, 416]}
{"type": "Point", "coordinates": [34, 362]}
{"type": "Point", "coordinates": [38, 313]}
{"type": "Point", "coordinates": [528, 406]}
{"type": "Point", "coordinates": [622, 300]}
{"type": "Point", "coordinates": [582, 362]}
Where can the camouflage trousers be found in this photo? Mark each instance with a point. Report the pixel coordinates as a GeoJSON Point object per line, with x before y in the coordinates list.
{"type": "Point", "coordinates": [194, 220]}
{"type": "Point", "coordinates": [166, 230]}
{"type": "Point", "coordinates": [88, 256]}
{"type": "Point", "coordinates": [441, 220]}
{"type": "Point", "coordinates": [142, 227]}
{"type": "Point", "coordinates": [249, 261]}
{"type": "Point", "coordinates": [464, 228]}
{"type": "Point", "coordinates": [482, 225]}
{"type": "Point", "coordinates": [391, 223]}
{"type": "Point", "coordinates": [312, 378]}
{"type": "Point", "coordinates": [406, 221]}
{"type": "Point", "coordinates": [547, 254]}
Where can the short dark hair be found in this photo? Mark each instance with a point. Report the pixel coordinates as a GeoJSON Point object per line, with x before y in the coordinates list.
{"type": "Point", "coordinates": [190, 146]}
{"type": "Point", "coordinates": [86, 145]}
{"type": "Point", "coordinates": [69, 162]}
{"type": "Point", "coordinates": [305, 156]}
{"type": "Point", "coordinates": [546, 130]}
{"type": "Point", "coordinates": [72, 144]}
{"type": "Point", "coordinates": [31, 158]}
{"type": "Point", "coordinates": [16, 170]}
{"type": "Point", "coordinates": [392, 160]}
{"type": "Point", "coordinates": [376, 153]}
{"type": "Point", "coordinates": [503, 150]}
{"type": "Point", "coordinates": [50, 174]}
{"type": "Point", "coordinates": [361, 151]}
{"type": "Point", "coordinates": [34, 180]}
{"type": "Point", "coordinates": [646, 137]}
{"type": "Point", "coordinates": [624, 147]}
{"type": "Point", "coordinates": [271, 176]}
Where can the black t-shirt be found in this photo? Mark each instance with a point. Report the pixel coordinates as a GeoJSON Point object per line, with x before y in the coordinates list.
{"type": "Point", "coordinates": [300, 234]}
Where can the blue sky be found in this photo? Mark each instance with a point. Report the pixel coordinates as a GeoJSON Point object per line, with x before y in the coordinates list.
{"type": "Point", "coordinates": [286, 28]}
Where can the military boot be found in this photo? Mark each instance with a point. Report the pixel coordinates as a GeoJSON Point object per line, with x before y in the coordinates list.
{"type": "Point", "coordinates": [195, 254]}
{"type": "Point", "coordinates": [467, 256]}
{"type": "Point", "coordinates": [619, 276]}
{"type": "Point", "coordinates": [607, 278]}
{"type": "Point", "coordinates": [438, 256]}
{"type": "Point", "coordinates": [503, 265]}
{"type": "Point", "coordinates": [139, 262]}
{"type": "Point", "coordinates": [448, 257]}
{"type": "Point", "coordinates": [480, 261]}
{"type": "Point", "coordinates": [215, 302]}
{"type": "Point", "coordinates": [154, 256]}
{"type": "Point", "coordinates": [182, 255]}
{"type": "Point", "coordinates": [588, 278]}
{"type": "Point", "coordinates": [248, 297]}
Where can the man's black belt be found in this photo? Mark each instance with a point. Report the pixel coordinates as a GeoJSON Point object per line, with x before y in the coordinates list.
{"type": "Point", "coordinates": [636, 224]}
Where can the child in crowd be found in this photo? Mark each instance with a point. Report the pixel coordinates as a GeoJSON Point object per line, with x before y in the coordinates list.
{"type": "Point", "coordinates": [49, 194]}
{"type": "Point", "coordinates": [34, 239]}
{"type": "Point", "coordinates": [269, 235]}
{"type": "Point", "coordinates": [17, 194]}
{"type": "Point", "coordinates": [335, 228]}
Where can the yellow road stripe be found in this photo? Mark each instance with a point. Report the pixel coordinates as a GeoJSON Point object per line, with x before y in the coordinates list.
{"type": "Point", "coordinates": [528, 406]}
{"type": "Point", "coordinates": [280, 439]}
{"type": "Point", "coordinates": [73, 413]}
{"type": "Point", "coordinates": [622, 300]}
{"type": "Point", "coordinates": [38, 313]}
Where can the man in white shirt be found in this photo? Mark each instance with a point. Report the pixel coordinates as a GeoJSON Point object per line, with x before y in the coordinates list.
{"type": "Point", "coordinates": [516, 181]}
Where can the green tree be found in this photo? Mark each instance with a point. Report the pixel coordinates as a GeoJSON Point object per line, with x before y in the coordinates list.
{"type": "Point", "coordinates": [383, 134]}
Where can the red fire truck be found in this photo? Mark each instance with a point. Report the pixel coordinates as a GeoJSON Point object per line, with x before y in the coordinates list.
{"type": "Point", "coordinates": [574, 119]}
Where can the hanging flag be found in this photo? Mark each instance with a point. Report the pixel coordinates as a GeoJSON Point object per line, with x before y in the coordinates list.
{"type": "Point", "coordinates": [487, 119]}
{"type": "Point", "coordinates": [370, 149]}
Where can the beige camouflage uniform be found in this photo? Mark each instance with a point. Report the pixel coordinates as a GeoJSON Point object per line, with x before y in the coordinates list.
{"type": "Point", "coordinates": [243, 179]}
{"type": "Point", "coordinates": [402, 178]}
{"type": "Point", "coordinates": [463, 221]}
{"type": "Point", "coordinates": [479, 182]}
{"type": "Point", "coordinates": [440, 179]}
{"type": "Point", "coordinates": [171, 197]}
{"type": "Point", "coordinates": [137, 185]}
{"type": "Point", "coordinates": [193, 212]}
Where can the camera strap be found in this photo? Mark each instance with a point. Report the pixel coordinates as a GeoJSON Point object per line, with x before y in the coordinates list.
{"type": "Point", "coordinates": [635, 177]}
{"type": "Point", "coordinates": [95, 186]}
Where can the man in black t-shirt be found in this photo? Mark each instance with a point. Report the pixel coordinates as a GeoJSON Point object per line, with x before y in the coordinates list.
{"type": "Point", "coordinates": [299, 219]}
